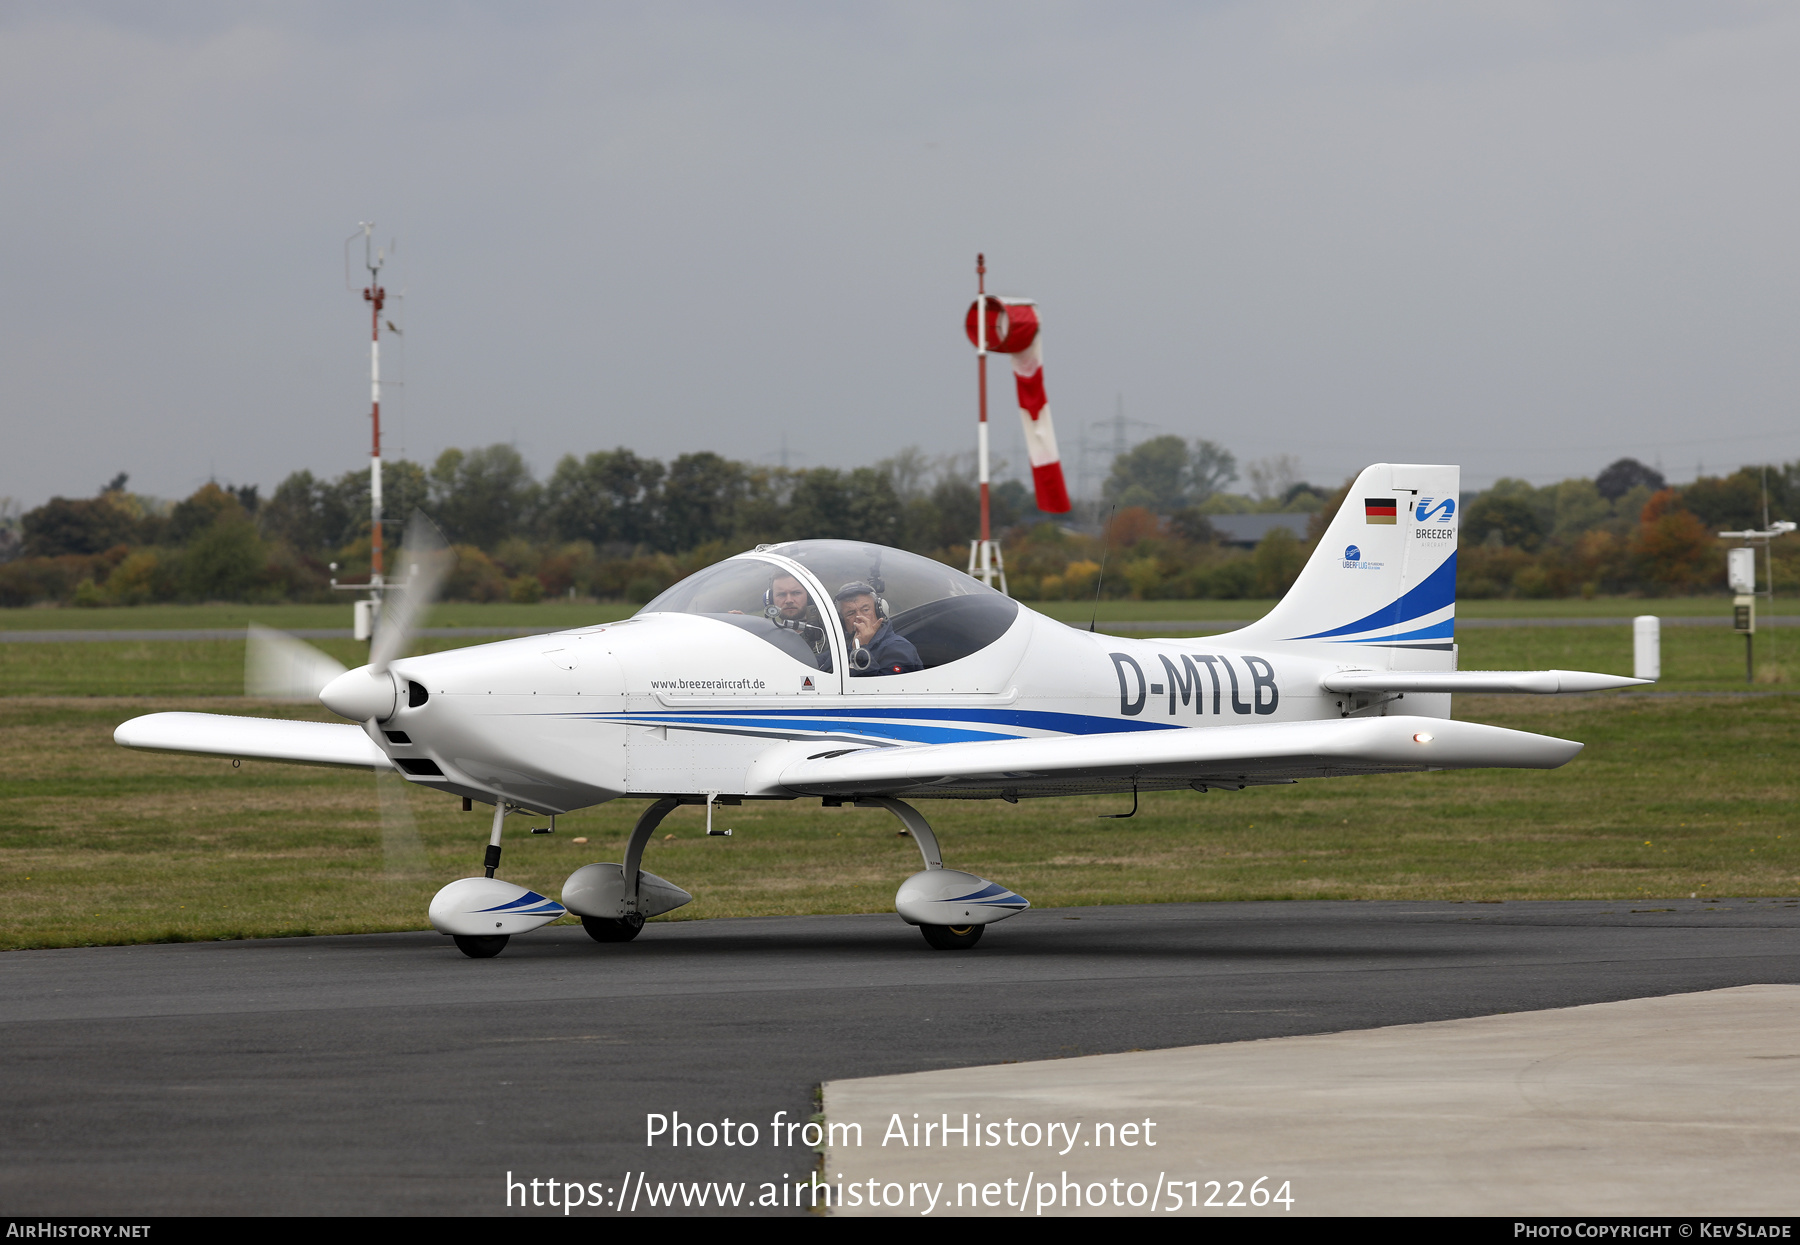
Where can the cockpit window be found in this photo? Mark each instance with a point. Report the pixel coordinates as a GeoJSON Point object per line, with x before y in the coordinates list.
{"type": "Point", "coordinates": [760, 597]}
{"type": "Point", "coordinates": [943, 614]}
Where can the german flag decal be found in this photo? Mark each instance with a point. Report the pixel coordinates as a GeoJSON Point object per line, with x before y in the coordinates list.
{"type": "Point", "coordinates": [1380, 510]}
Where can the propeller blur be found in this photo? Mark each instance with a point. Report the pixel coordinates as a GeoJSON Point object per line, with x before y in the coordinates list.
{"type": "Point", "coordinates": [744, 682]}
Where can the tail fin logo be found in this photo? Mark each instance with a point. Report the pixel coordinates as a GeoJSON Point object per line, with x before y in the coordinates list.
{"type": "Point", "coordinates": [1443, 511]}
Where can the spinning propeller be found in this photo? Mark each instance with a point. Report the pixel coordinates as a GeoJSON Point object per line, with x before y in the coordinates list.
{"type": "Point", "coordinates": [278, 666]}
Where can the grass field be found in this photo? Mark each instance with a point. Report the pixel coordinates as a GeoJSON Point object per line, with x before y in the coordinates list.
{"type": "Point", "coordinates": [1675, 795]}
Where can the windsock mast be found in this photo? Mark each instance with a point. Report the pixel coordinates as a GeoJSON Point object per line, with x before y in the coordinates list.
{"type": "Point", "coordinates": [984, 559]}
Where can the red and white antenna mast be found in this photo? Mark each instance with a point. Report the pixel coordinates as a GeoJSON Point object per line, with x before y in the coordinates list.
{"type": "Point", "coordinates": [375, 296]}
{"type": "Point", "coordinates": [368, 611]}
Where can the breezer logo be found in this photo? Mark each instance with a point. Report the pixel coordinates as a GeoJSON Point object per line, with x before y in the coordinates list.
{"type": "Point", "coordinates": [1442, 512]}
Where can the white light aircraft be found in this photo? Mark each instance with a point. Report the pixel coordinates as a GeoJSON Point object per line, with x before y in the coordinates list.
{"type": "Point", "coordinates": [741, 683]}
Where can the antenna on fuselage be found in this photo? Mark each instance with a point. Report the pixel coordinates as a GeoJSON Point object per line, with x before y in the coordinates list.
{"type": "Point", "coordinates": [1100, 579]}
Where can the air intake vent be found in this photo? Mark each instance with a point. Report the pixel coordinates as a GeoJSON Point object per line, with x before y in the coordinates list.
{"type": "Point", "coordinates": [419, 768]}
{"type": "Point", "coordinates": [416, 694]}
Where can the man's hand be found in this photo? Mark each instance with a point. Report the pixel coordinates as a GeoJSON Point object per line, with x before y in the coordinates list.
{"type": "Point", "coordinates": [860, 619]}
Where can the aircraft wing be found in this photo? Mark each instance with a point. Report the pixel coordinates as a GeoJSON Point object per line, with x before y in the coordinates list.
{"type": "Point", "coordinates": [1229, 757]}
{"type": "Point", "coordinates": [253, 739]}
{"type": "Point", "coordinates": [1539, 682]}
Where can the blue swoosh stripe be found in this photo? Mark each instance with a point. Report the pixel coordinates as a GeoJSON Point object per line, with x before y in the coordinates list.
{"type": "Point", "coordinates": [991, 889]}
{"type": "Point", "coordinates": [1438, 590]}
{"type": "Point", "coordinates": [915, 734]}
{"type": "Point", "coordinates": [835, 720]}
{"type": "Point", "coordinates": [1035, 719]}
{"type": "Point", "coordinates": [1445, 630]}
{"type": "Point", "coordinates": [529, 897]}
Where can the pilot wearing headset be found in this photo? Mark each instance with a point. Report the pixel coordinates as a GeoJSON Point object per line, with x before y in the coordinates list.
{"type": "Point", "coordinates": [794, 609]}
{"type": "Point", "coordinates": [875, 647]}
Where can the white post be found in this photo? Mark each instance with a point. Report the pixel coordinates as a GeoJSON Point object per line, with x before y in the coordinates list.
{"type": "Point", "coordinates": [987, 545]}
{"type": "Point", "coordinates": [1646, 647]}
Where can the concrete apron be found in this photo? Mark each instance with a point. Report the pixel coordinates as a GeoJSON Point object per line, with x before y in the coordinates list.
{"type": "Point", "coordinates": [1682, 1105]}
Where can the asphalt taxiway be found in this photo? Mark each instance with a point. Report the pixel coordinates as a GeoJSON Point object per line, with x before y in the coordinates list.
{"type": "Point", "coordinates": [388, 1074]}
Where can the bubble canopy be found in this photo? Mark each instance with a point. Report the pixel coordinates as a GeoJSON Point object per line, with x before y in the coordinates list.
{"type": "Point", "coordinates": [944, 613]}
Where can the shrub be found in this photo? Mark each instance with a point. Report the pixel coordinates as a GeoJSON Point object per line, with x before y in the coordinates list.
{"type": "Point", "coordinates": [1078, 579]}
{"type": "Point", "coordinates": [1232, 581]}
{"type": "Point", "coordinates": [1679, 554]}
{"type": "Point", "coordinates": [475, 577]}
{"type": "Point", "coordinates": [1145, 578]}
{"type": "Point", "coordinates": [137, 579]}
{"type": "Point", "coordinates": [225, 561]}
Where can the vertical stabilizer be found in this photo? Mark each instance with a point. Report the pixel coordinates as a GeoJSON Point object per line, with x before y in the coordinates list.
{"type": "Point", "coordinates": [1380, 589]}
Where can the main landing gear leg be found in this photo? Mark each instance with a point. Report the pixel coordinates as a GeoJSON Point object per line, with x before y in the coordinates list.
{"type": "Point", "coordinates": [624, 929]}
{"type": "Point", "coordinates": [950, 907]}
{"type": "Point", "coordinates": [915, 823]}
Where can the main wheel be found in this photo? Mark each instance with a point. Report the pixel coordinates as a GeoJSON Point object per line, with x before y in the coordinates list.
{"type": "Point", "coordinates": [952, 937]}
{"type": "Point", "coordinates": [605, 929]}
{"type": "Point", "coordinates": [481, 946]}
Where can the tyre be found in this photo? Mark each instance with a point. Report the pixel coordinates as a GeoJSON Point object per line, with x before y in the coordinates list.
{"type": "Point", "coordinates": [605, 929]}
{"type": "Point", "coordinates": [952, 937]}
{"type": "Point", "coordinates": [481, 946]}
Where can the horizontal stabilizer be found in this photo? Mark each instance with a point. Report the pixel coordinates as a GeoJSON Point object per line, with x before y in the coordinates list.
{"type": "Point", "coordinates": [1227, 757]}
{"type": "Point", "coordinates": [252, 739]}
{"type": "Point", "coordinates": [1536, 682]}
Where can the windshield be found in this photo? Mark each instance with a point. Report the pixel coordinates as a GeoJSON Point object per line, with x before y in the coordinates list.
{"type": "Point", "coordinates": [760, 597]}
{"type": "Point", "coordinates": [940, 614]}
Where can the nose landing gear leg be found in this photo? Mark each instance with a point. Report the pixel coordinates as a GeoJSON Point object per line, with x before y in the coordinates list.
{"type": "Point", "coordinates": [481, 914]}
{"type": "Point", "coordinates": [486, 946]}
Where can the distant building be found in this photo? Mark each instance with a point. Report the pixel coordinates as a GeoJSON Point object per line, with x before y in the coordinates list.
{"type": "Point", "coordinates": [1247, 530]}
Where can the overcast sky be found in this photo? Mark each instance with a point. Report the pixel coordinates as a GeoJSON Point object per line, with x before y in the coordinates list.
{"type": "Point", "coordinates": [1527, 238]}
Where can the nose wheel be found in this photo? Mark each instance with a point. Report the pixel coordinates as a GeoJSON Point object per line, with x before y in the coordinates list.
{"type": "Point", "coordinates": [480, 946]}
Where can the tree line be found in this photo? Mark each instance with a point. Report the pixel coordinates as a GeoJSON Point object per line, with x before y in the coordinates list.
{"type": "Point", "coordinates": [614, 524]}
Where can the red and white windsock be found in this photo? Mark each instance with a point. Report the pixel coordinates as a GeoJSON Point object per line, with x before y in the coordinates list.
{"type": "Point", "coordinates": [1012, 328]}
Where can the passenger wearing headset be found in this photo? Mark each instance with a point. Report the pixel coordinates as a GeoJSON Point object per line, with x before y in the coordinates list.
{"type": "Point", "coordinates": [875, 647]}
